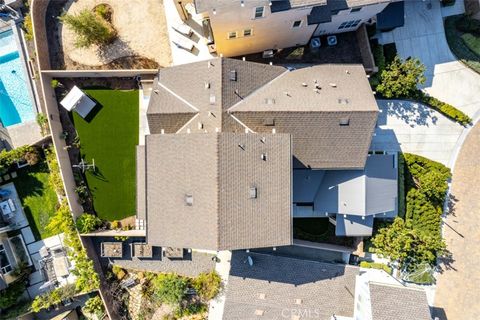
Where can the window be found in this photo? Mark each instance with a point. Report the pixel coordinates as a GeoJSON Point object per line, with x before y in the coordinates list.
{"type": "Point", "coordinates": [232, 34]}
{"type": "Point", "coordinates": [5, 266]}
{"type": "Point", "coordinates": [349, 24]}
{"type": "Point", "coordinates": [355, 10]}
{"type": "Point", "coordinates": [259, 12]}
{"type": "Point", "coordinates": [297, 24]}
{"type": "Point", "coordinates": [247, 32]}
{"type": "Point", "coordinates": [344, 121]}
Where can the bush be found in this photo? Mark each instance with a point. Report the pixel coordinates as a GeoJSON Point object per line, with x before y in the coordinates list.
{"type": "Point", "coordinates": [87, 223]}
{"type": "Point", "coordinates": [115, 224]}
{"type": "Point", "coordinates": [207, 285]}
{"type": "Point", "coordinates": [434, 186]}
{"type": "Point", "coordinates": [53, 298]}
{"type": "Point", "coordinates": [375, 265]}
{"type": "Point", "coordinates": [32, 156]}
{"type": "Point", "coordinates": [54, 179]}
{"type": "Point", "coordinates": [54, 83]}
{"type": "Point", "coordinates": [446, 109]}
{"type": "Point", "coordinates": [91, 29]}
{"type": "Point", "coordinates": [42, 122]}
{"type": "Point", "coordinates": [9, 158]}
{"type": "Point", "coordinates": [94, 306]}
{"type": "Point", "coordinates": [28, 27]}
{"type": "Point", "coordinates": [468, 25]}
{"type": "Point", "coordinates": [190, 310]}
{"type": "Point", "coordinates": [10, 295]}
{"type": "Point", "coordinates": [170, 288]}
{"type": "Point", "coordinates": [104, 11]}
{"type": "Point", "coordinates": [379, 57]}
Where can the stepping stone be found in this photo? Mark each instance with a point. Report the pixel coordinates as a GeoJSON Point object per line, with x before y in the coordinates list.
{"type": "Point", "coordinates": [14, 174]}
{"type": "Point", "coordinates": [6, 177]}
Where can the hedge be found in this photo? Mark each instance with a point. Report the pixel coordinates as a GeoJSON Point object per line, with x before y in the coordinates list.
{"type": "Point", "coordinates": [446, 109]}
{"type": "Point", "coordinates": [376, 265]}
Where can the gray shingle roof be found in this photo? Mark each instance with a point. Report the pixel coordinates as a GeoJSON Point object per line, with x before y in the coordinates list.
{"type": "Point", "coordinates": [280, 286]}
{"type": "Point", "coordinates": [399, 303]}
{"type": "Point", "coordinates": [262, 92]}
{"type": "Point", "coordinates": [218, 170]}
{"type": "Point", "coordinates": [141, 195]}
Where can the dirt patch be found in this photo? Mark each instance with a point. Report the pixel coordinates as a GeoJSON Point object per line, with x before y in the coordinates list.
{"type": "Point", "coordinates": [142, 38]}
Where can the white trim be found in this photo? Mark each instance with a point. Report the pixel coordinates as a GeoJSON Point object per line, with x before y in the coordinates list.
{"type": "Point", "coordinates": [255, 12]}
{"type": "Point", "coordinates": [188, 122]}
{"type": "Point", "coordinates": [243, 124]}
{"type": "Point", "coordinates": [176, 95]}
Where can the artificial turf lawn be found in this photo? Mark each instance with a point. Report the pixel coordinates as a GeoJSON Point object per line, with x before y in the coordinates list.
{"type": "Point", "coordinates": [39, 199]}
{"type": "Point", "coordinates": [110, 138]}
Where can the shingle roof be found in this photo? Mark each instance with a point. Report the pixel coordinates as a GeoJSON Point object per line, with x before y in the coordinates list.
{"type": "Point", "coordinates": [262, 92]}
{"type": "Point", "coordinates": [141, 200]}
{"type": "Point", "coordinates": [280, 286]}
{"type": "Point", "coordinates": [399, 303]}
{"type": "Point", "coordinates": [218, 171]}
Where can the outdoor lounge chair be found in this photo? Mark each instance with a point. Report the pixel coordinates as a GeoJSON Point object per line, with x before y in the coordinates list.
{"type": "Point", "coordinates": [183, 29]}
{"type": "Point", "coordinates": [183, 44]}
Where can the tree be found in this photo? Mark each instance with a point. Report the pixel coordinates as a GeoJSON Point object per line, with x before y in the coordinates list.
{"type": "Point", "coordinates": [170, 288]}
{"type": "Point", "coordinates": [10, 295]}
{"type": "Point", "coordinates": [42, 122]}
{"type": "Point", "coordinates": [405, 245]}
{"type": "Point", "coordinates": [207, 285]}
{"type": "Point", "coordinates": [401, 78]}
{"type": "Point", "coordinates": [87, 223]}
{"type": "Point", "coordinates": [91, 29]}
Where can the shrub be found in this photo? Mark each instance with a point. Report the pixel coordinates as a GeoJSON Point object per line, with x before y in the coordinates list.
{"type": "Point", "coordinates": [170, 288]}
{"type": "Point", "coordinates": [115, 224]}
{"type": "Point", "coordinates": [446, 109]}
{"type": "Point", "coordinates": [28, 27]}
{"type": "Point", "coordinates": [190, 310]}
{"type": "Point", "coordinates": [54, 179]}
{"type": "Point", "coordinates": [207, 285]}
{"type": "Point", "coordinates": [434, 186]}
{"type": "Point", "coordinates": [32, 156]}
{"type": "Point", "coordinates": [87, 223]}
{"type": "Point", "coordinates": [10, 295]}
{"type": "Point", "coordinates": [376, 265]}
{"type": "Point", "coordinates": [54, 83]}
{"type": "Point", "coordinates": [90, 28]}
{"type": "Point", "coordinates": [379, 57]}
{"type": "Point", "coordinates": [42, 122]}
{"type": "Point", "coordinates": [53, 297]}
{"type": "Point", "coordinates": [8, 158]}
{"type": "Point", "coordinates": [104, 11]}
{"type": "Point", "coordinates": [94, 306]}
{"type": "Point", "coordinates": [401, 78]}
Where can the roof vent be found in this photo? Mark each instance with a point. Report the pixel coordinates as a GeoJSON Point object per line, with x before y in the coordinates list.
{"type": "Point", "coordinates": [298, 301]}
{"type": "Point", "coordinates": [262, 296]}
{"type": "Point", "coordinates": [304, 84]}
{"type": "Point", "coordinates": [210, 64]}
{"type": "Point", "coordinates": [344, 121]}
{"type": "Point", "coordinates": [212, 99]}
{"type": "Point", "coordinates": [162, 131]}
{"type": "Point", "coordinates": [263, 139]}
{"type": "Point", "coordinates": [207, 85]}
{"type": "Point", "coordinates": [242, 146]}
{"type": "Point", "coordinates": [287, 94]}
{"type": "Point", "coordinates": [347, 72]}
{"type": "Point", "coordinates": [269, 101]}
{"type": "Point", "coordinates": [253, 193]}
{"type": "Point", "coordinates": [269, 122]}
{"type": "Point", "coordinates": [200, 126]}
{"type": "Point", "coordinates": [317, 86]}
{"type": "Point", "coordinates": [343, 101]}
{"type": "Point", "coordinates": [263, 156]}
{"type": "Point", "coordinates": [189, 200]}
{"type": "Point", "coordinates": [156, 91]}
{"type": "Point", "coordinates": [233, 75]}
{"type": "Point", "coordinates": [333, 85]}
{"type": "Point", "coordinates": [259, 312]}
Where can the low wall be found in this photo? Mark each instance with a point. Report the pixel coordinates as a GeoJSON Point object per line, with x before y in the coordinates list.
{"type": "Point", "coordinates": [115, 233]}
{"type": "Point", "coordinates": [148, 73]}
{"type": "Point", "coordinates": [365, 49]}
{"type": "Point", "coordinates": [38, 10]}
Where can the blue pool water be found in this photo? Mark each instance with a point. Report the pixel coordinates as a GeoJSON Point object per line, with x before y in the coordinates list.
{"type": "Point", "coordinates": [15, 102]}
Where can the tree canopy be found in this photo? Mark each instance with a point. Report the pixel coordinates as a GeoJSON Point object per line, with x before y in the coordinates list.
{"type": "Point", "coordinates": [401, 78]}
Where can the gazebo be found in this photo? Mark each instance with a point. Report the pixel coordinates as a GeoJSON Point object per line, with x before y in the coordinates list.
{"type": "Point", "coordinates": [77, 100]}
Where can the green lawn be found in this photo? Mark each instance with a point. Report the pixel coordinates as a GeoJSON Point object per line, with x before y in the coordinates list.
{"type": "Point", "coordinates": [110, 138]}
{"type": "Point", "coordinates": [472, 42]}
{"type": "Point", "coordinates": [458, 45]}
{"type": "Point", "coordinates": [39, 200]}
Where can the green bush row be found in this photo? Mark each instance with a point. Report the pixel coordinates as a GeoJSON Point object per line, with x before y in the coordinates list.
{"type": "Point", "coordinates": [446, 109]}
{"type": "Point", "coordinates": [376, 265]}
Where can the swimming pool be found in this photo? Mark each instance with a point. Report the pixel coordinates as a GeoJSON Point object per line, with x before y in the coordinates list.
{"type": "Point", "coordinates": [15, 103]}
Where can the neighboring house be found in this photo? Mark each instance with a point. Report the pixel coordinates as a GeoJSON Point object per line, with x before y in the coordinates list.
{"type": "Point", "coordinates": [12, 247]}
{"type": "Point", "coordinates": [247, 26]}
{"type": "Point", "coordinates": [233, 145]}
{"type": "Point", "coordinates": [270, 286]}
{"type": "Point", "coordinates": [378, 296]}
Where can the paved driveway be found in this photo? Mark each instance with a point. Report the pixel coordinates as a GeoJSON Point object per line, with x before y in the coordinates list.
{"type": "Point", "coordinates": [413, 127]}
{"type": "Point", "coordinates": [458, 288]}
{"type": "Point", "coordinates": [423, 37]}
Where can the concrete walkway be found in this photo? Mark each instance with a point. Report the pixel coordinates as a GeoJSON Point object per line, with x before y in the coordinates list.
{"type": "Point", "coordinates": [423, 37]}
{"type": "Point", "coordinates": [412, 127]}
{"type": "Point", "coordinates": [458, 293]}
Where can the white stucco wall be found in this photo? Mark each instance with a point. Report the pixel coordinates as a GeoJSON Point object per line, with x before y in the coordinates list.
{"type": "Point", "coordinates": [364, 15]}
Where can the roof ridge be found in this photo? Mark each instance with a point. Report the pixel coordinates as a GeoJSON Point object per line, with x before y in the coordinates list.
{"type": "Point", "coordinates": [256, 90]}
{"type": "Point", "coordinates": [178, 96]}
